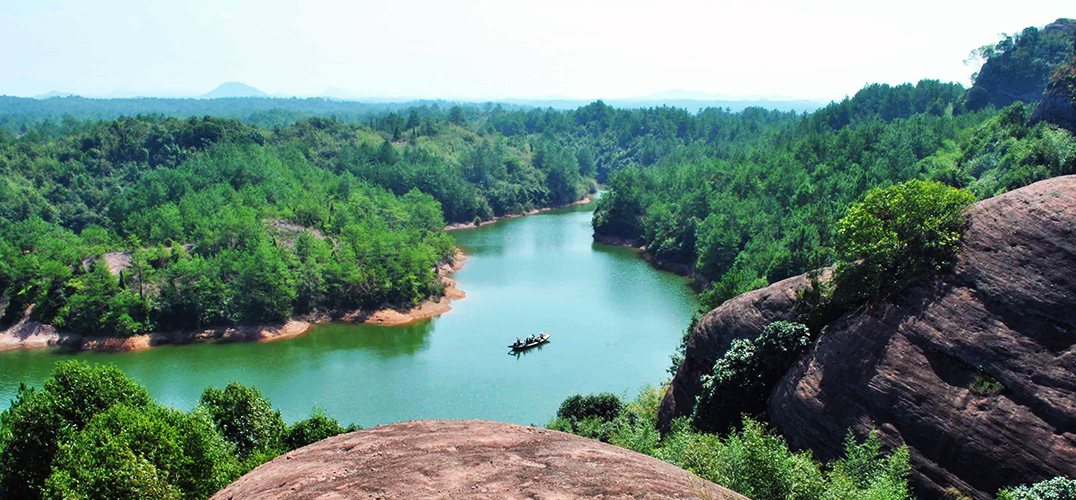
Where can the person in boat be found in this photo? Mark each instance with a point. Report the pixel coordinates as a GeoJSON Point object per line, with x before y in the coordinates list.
{"type": "Point", "coordinates": [518, 342]}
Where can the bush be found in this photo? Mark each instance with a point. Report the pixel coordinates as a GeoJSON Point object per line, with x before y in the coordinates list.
{"type": "Point", "coordinates": [319, 426]}
{"type": "Point", "coordinates": [742, 379]}
{"type": "Point", "coordinates": [758, 464]}
{"type": "Point", "coordinates": [245, 418]}
{"type": "Point", "coordinates": [1058, 488]}
{"type": "Point", "coordinates": [895, 236]}
{"type": "Point", "coordinates": [40, 421]}
{"type": "Point", "coordinates": [91, 432]}
{"type": "Point", "coordinates": [606, 406]}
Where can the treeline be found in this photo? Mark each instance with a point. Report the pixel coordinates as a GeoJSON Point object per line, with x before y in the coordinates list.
{"type": "Point", "coordinates": [156, 223]}
{"type": "Point", "coordinates": [91, 432]}
{"type": "Point", "coordinates": [743, 215]}
{"type": "Point", "coordinates": [56, 116]}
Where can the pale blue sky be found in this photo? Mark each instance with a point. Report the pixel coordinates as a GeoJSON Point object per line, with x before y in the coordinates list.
{"type": "Point", "coordinates": [497, 49]}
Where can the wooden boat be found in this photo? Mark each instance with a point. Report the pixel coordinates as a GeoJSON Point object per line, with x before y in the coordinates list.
{"type": "Point", "coordinates": [542, 338]}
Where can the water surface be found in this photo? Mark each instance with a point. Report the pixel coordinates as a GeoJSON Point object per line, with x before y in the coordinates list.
{"type": "Point", "coordinates": [614, 321]}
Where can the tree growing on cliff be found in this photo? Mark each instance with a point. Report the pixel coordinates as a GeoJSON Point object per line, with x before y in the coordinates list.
{"type": "Point", "coordinates": [895, 236]}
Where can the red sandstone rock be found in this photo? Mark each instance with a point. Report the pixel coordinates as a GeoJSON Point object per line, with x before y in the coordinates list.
{"type": "Point", "coordinates": [905, 366]}
{"type": "Point", "coordinates": [467, 459]}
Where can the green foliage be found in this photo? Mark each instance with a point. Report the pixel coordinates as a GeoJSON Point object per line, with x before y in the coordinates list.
{"type": "Point", "coordinates": [1058, 488]}
{"type": "Point", "coordinates": [751, 461]}
{"type": "Point", "coordinates": [1005, 153]}
{"type": "Point", "coordinates": [758, 464]}
{"type": "Point", "coordinates": [605, 406]}
{"type": "Point", "coordinates": [90, 432]}
{"type": "Point", "coordinates": [1016, 66]}
{"type": "Point", "coordinates": [319, 426]}
{"type": "Point", "coordinates": [895, 236]}
{"type": "Point", "coordinates": [985, 384]}
{"type": "Point", "coordinates": [742, 379]}
{"type": "Point", "coordinates": [245, 418]}
{"type": "Point", "coordinates": [39, 422]}
{"type": "Point", "coordinates": [225, 223]}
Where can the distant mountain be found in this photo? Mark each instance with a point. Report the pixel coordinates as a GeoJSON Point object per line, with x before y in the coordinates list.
{"type": "Point", "coordinates": [234, 89]}
{"type": "Point", "coordinates": [53, 94]}
{"type": "Point", "coordinates": [338, 94]}
{"type": "Point", "coordinates": [692, 105]}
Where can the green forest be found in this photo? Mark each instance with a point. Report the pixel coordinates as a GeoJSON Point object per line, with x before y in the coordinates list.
{"type": "Point", "coordinates": [216, 222]}
{"type": "Point", "coordinates": [119, 223]}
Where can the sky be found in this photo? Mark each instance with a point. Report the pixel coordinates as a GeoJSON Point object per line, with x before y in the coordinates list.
{"type": "Point", "coordinates": [483, 50]}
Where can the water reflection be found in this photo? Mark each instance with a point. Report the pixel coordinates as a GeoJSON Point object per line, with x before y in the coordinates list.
{"type": "Point", "coordinates": [383, 342]}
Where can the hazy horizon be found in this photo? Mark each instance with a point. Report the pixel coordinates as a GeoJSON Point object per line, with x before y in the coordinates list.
{"type": "Point", "coordinates": [495, 50]}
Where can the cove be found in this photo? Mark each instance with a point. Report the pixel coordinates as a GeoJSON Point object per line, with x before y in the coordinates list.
{"type": "Point", "coordinates": [614, 321]}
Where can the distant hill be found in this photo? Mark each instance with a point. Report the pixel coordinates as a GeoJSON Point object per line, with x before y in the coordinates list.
{"type": "Point", "coordinates": [53, 94]}
{"type": "Point", "coordinates": [234, 89]}
{"type": "Point", "coordinates": [691, 105]}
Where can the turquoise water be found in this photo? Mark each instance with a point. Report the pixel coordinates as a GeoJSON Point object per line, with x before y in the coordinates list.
{"type": "Point", "coordinates": [614, 321]}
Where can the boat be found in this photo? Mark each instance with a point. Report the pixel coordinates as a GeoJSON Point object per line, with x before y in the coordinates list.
{"type": "Point", "coordinates": [542, 338]}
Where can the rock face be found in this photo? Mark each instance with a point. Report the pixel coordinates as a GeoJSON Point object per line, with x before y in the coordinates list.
{"type": "Point", "coordinates": [743, 317]}
{"type": "Point", "coordinates": [906, 366]}
{"type": "Point", "coordinates": [1022, 72]}
{"type": "Point", "coordinates": [467, 459]}
{"type": "Point", "coordinates": [1058, 104]}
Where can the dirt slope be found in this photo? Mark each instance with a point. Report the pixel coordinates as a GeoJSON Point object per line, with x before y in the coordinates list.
{"type": "Point", "coordinates": [467, 459]}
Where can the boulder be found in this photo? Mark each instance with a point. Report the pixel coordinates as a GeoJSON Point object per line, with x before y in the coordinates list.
{"type": "Point", "coordinates": [467, 459]}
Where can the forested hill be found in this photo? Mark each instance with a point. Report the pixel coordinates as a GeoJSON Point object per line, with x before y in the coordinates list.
{"type": "Point", "coordinates": [225, 223]}
{"type": "Point", "coordinates": [1017, 67]}
{"type": "Point", "coordinates": [752, 209]}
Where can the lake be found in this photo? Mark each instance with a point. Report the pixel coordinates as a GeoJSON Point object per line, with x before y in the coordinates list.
{"type": "Point", "coordinates": [614, 321]}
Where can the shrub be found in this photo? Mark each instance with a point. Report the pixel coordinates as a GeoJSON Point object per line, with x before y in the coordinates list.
{"type": "Point", "coordinates": [319, 426]}
{"type": "Point", "coordinates": [1058, 488]}
{"type": "Point", "coordinates": [606, 406]}
{"type": "Point", "coordinates": [245, 418]}
{"type": "Point", "coordinates": [39, 421]}
{"type": "Point", "coordinates": [742, 379]}
{"type": "Point", "coordinates": [759, 464]}
{"type": "Point", "coordinates": [91, 432]}
{"type": "Point", "coordinates": [895, 236]}
{"type": "Point", "coordinates": [985, 384]}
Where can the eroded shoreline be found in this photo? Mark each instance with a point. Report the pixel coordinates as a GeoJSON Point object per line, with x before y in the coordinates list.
{"type": "Point", "coordinates": [30, 334]}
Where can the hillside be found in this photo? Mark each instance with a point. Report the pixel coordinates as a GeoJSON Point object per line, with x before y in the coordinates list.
{"type": "Point", "coordinates": [973, 371]}
{"type": "Point", "coordinates": [199, 208]}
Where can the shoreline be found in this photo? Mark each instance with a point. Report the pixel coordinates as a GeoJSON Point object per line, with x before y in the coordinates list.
{"type": "Point", "coordinates": [676, 268]}
{"type": "Point", "coordinates": [28, 334]}
{"type": "Point", "coordinates": [469, 225]}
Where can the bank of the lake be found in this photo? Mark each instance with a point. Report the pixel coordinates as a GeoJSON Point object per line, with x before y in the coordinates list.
{"type": "Point", "coordinates": [614, 321]}
{"type": "Point", "coordinates": [30, 334]}
{"type": "Point", "coordinates": [463, 225]}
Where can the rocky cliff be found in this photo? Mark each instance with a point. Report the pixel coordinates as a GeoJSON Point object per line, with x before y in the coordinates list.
{"type": "Point", "coordinates": [1020, 67]}
{"type": "Point", "coordinates": [467, 459]}
{"type": "Point", "coordinates": [1058, 104]}
{"type": "Point", "coordinates": [921, 366]}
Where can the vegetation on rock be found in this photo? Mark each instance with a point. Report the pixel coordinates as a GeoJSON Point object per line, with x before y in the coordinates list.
{"type": "Point", "coordinates": [743, 378]}
{"type": "Point", "coordinates": [753, 461]}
